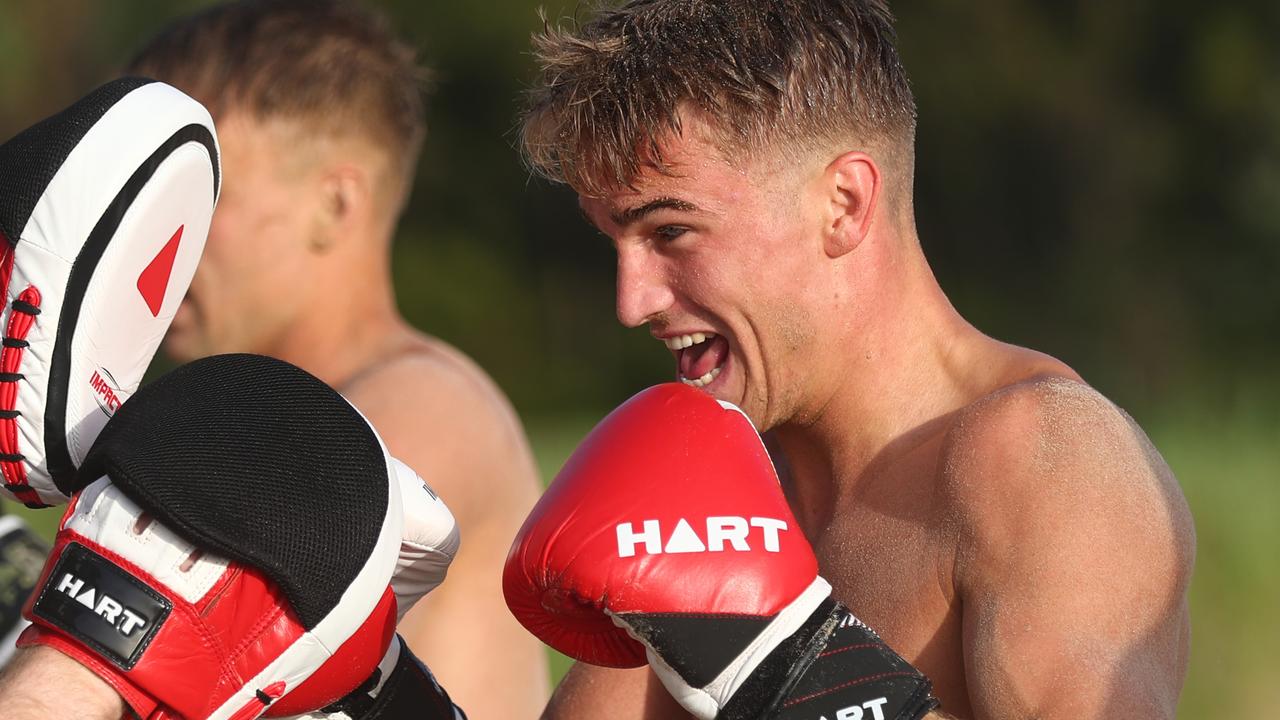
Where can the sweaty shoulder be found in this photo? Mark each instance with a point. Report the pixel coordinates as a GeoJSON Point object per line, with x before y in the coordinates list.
{"type": "Point", "coordinates": [438, 411]}
{"type": "Point", "coordinates": [1049, 440]}
{"type": "Point", "coordinates": [1072, 542]}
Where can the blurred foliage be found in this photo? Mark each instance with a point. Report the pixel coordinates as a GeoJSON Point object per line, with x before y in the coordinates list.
{"type": "Point", "coordinates": [1099, 180]}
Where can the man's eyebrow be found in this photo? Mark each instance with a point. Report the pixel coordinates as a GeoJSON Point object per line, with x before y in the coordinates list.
{"type": "Point", "coordinates": [623, 218]}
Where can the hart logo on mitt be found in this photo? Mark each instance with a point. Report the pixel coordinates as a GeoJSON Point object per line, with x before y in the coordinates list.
{"type": "Point", "coordinates": [96, 602]}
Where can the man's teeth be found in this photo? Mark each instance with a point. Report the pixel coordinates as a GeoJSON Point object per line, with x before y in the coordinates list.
{"type": "Point", "coordinates": [702, 380]}
{"type": "Point", "coordinates": [683, 341]}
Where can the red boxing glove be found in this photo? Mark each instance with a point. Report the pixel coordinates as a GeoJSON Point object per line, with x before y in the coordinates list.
{"type": "Point", "coordinates": [666, 537]}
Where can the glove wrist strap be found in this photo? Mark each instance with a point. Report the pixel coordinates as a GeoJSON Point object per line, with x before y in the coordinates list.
{"type": "Point", "coordinates": [410, 690]}
{"type": "Point", "coordinates": [832, 663]}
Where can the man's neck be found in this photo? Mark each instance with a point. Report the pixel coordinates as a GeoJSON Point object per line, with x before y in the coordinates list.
{"type": "Point", "coordinates": [913, 361]}
{"type": "Point", "coordinates": [345, 331]}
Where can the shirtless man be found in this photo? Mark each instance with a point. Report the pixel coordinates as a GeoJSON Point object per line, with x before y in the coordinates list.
{"type": "Point", "coordinates": [320, 118]}
{"type": "Point", "coordinates": [1002, 525]}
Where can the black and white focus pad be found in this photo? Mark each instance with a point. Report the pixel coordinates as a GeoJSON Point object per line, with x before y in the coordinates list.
{"type": "Point", "coordinates": [22, 554]}
{"type": "Point", "coordinates": [104, 211]}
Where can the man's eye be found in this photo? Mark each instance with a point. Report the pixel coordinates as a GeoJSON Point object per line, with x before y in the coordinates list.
{"type": "Point", "coordinates": [667, 233]}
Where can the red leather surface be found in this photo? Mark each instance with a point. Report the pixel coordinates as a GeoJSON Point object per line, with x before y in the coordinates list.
{"type": "Point", "coordinates": [670, 453]}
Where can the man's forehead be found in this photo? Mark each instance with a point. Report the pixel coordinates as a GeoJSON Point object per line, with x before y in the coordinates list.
{"type": "Point", "coordinates": [687, 183]}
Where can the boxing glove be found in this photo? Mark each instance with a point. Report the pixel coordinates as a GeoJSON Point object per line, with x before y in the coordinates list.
{"type": "Point", "coordinates": [234, 555]}
{"type": "Point", "coordinates": [666, 538]}
{"type": "Point", "coordinates": [104, 210]}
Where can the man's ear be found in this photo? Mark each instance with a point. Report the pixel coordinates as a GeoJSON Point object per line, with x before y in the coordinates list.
{"type": "Point", "coordinates": [853, 188]}
{"type": "Point", "coordinates": [345, 199]}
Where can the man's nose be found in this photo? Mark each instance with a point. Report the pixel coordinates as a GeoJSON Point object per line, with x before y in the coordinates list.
{"type": "Point", "coordinates": [644, 289]}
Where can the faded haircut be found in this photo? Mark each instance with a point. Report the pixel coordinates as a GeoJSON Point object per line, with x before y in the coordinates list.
{"type": "Point", "coordinates": [335, 67]}
{"type": "Point", "coordinates": [789, 75]}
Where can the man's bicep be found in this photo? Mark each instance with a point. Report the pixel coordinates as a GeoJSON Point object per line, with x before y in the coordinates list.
{"type": "Point", "coordinates": [1078, 612]}
{"type": "Point", "coordinates": [588, 692]}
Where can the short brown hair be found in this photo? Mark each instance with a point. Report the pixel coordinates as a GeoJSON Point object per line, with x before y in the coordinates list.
{"type": "Point", "coordinates": [796, 72]}
{"type": "Point", "coordinates": [334, 65]}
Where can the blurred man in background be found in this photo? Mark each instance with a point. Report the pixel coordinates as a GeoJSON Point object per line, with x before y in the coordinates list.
{"type": "Point", "coordinates": [319, 109]}
{"type": "Point", "coordinates": [1004, 527]}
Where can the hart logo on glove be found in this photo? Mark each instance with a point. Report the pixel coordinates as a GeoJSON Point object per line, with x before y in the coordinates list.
{"type": "Point", "coordinates": [723, 529]}
{"type": "Point", "coordinates": [106, 391]}
{"type": "Point", "coordinates": [93, 600]}
{"type": "Point", "coordinates": [855, 712]}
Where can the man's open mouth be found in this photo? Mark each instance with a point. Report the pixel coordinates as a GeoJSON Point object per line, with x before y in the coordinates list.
{"type": "Point", "coordinates": [699, 356]}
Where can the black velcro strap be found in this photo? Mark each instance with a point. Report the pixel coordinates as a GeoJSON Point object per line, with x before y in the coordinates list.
{"type": "Point", "coordinates": [767, 687]}
{"type": "Point", "coordinates": [98, 603]}
{"type": "Point", "coordinates": [357, 703]}
{"type": "Point", "coordinates": [411, 691]}
{"type": "Point", "coordinates": [698, 647]}
{"type": "Point", "coordinates": [833, 666]}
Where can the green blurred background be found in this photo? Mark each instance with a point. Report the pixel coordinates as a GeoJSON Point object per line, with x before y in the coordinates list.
{"type": "Point", "coordinates": [1099, 180]}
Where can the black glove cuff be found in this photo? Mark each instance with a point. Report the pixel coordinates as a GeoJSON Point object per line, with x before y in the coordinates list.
{"type": "Point", "coordinates": [411, 691]}
{"type": "Point", "coordinates": [832, 663]}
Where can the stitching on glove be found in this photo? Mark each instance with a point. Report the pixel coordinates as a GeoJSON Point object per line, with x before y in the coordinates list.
{"type": "Point", "coordinates": [25, 309]}
{"type": "Point", "coordinates": [851, 683]}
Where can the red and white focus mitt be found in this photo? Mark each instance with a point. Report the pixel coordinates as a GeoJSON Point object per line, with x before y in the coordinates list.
{"type": "Point", "coordinates": [104, 210]}
{"type": "Point", "coordinates": [234, 555]}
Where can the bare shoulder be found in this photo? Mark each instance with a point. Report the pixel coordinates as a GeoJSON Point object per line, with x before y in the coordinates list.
{"type": "Point", "coordinates": [1055, 442]}
{"type": "Point", "coordinates": [438, 411]}
{"type": "Point", "coordinates": [1040, 433]}
{"type": "Point", "coordinates": [431, 373]}
{"type": "Point", "coordinates": [1072, 542]}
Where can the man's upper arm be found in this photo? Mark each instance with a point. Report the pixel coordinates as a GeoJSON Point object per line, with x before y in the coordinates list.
{"type": "Point", "coordinates": [1075, 552]}
{"type": "Point", "coordinates": [446, 420]}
